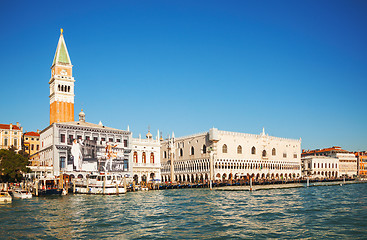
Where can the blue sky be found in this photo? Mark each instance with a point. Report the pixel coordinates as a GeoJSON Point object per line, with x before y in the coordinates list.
{"type": "Point", "coordinates": [297, 68]}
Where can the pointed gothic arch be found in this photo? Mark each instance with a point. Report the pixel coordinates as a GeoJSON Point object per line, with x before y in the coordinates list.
{"type": "Point", "coordinates": [239, 149]}
{"type": "Point", "coordinates": [224, 148]}
{"type": "Point", "coordinates": [253, 150]}
{"type": "Point", "coordinates": [273, 152]}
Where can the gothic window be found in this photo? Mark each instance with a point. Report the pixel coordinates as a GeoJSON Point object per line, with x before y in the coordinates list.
{"type": "Point", "coordinates": [165, 154]}
{"type": "Point", "coordinates": [58, 87]}
{"type": "Point", "coordinates": [181, 152]}
{"type": "Point", "coordinates": [264, 153]}
{"type": "Point", "coordinates": [284, 155]}
{"type": "Point", "coordinates": [62, 88]}
{"type": "Point", "coordinates": [144, 158]}
{"type": "Point", "coordinates": [68, 88]}
{"type": "Point", "coordinates": [239, 149]}
{"type": "Point", "coordinates": [135, 157]}
{"type": "Point", "coordinates": [151, 157]}
{"type": "Point", "coordinates": [192, 151]}
{"type": "Point", "coordinates": [273, 152]}
{"type": "Point", "coordinates": [224, 148]}
{"type": "Point", "coordinates": [295, 155]}
{"type": "Point", "coordinates": [204, 148]}
{"type": "Point", "coordinates": [253, 150]}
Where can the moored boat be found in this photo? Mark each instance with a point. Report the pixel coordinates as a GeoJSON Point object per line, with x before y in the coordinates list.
{"type": "Point", "coordinates": [47, 186]}
{"type": "Point", "coordinates": [5, 197]}
{"type": "Point", "coordinates": [100, 184]}
{"type": "Point", "coordinates": [22, 194]}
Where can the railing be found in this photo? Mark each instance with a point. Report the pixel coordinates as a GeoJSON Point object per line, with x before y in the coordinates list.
{"type": "Point", "coordinates": [146, 165]}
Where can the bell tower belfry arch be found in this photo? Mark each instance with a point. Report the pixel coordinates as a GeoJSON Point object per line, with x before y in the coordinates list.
{"type": "Point", "coordinates": [61, 85]}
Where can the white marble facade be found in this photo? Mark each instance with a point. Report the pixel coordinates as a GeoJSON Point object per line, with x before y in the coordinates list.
{"type": "Point", "coordinates": [234, 155]}
{"type": "Point", "coordinates": [146, 159]}
{"type": "Point", "coordinates": [320, 166]}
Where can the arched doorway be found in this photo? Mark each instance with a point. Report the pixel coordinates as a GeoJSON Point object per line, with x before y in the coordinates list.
{"type": "Point", "coordinates": [224, 176]}
{"type": "Point", "coordinates": [136, 178]}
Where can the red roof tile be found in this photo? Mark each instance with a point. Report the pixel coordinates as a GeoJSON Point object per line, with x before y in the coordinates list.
{"type": "Point", "coordinates": [335, 148]}
{"type": "Point", "coordinates": [7, 126]}
{"type": "Point", "coordinates": [31, 134]}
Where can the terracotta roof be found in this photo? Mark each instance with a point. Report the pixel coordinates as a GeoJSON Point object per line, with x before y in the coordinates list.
{"type": "Point", "coordinates": [7, 126]}
{"type": "Point", "coordinates": [335, 148]}
{"type": "Point", "coordinates": [31, 134]}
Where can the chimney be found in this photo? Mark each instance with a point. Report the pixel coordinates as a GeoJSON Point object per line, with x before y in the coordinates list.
{"type": "Point", "coordinates": [18, 124]}
{"type": "Point", "coordinates": [11, 126]}
{"type": "Point", "coordinates": [38, 131]}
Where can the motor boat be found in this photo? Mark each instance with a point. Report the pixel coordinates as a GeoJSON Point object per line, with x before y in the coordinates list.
{"type": "Point", "coordinates": [5, 197]}
{"type": "Point", "coordinates": [100, 183]}
{"type": "Point", "coordinates": [22, 194]}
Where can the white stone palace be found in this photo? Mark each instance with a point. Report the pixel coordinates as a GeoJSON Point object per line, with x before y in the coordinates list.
{"type": "Point", "coordinates": [146, 159]}
{"type": "Point", "coordinates": [230, 155]}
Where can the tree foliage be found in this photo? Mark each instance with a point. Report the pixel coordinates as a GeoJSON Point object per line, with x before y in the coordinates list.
{"type": "Point", "coordinates": [12, 165]}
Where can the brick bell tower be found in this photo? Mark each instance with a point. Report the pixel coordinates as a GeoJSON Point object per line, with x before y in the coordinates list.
{"type": "Point", "coordinates": [61, 85]}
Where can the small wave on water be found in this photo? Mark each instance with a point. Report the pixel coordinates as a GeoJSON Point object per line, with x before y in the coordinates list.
{"type": "Point", "coordinates": [311, 213]}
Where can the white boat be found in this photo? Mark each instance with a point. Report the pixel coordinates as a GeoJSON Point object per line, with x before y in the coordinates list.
{"type": "Point", "coordinates": [23, 194]}
{"type": "Point", "coordinates": [144, 188]}
{"type": "Point", "coordinates": [5, 197]}
{"type": "Point", "coordinates": [101, 184]}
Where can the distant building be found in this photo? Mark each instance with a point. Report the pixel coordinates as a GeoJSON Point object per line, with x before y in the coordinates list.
{"type": "Point", "coordinates": [31, 142]}
{"type": "Point", "coordinates": [11, 135]}
{"type": "Point", "coordinates": [347, 162]}
{"type": "Point", "coordinates": [320, 166]}
{"type": "Point", "coordinates": [146, 159]}
{"type": "Point", "coordinates": [80, 148]}
{"type": "Point", "coordinates": [362, 163]}
{"type": "Point", "coordinates": [229, 156]}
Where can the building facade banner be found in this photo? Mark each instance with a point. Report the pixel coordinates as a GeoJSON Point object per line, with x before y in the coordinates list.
{"type": "Point", "coordinates": [92, 155]}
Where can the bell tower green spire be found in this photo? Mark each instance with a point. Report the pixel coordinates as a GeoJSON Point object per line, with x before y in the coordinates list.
{"type": "Point", "coordinates": [61, 55]}
{"type": "Point", "coordinates": [61, 85]}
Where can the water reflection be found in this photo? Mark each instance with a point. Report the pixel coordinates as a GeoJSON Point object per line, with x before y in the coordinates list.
{"type": "Point", "coordinates": [328, 211]}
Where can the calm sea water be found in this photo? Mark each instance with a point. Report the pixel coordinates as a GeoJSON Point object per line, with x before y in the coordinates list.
{"type": "Point", "coordinates": [336, 212]}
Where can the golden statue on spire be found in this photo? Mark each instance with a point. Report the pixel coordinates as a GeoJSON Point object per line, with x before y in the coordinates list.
{"type": "Point", "coordinates": [61, 30]}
